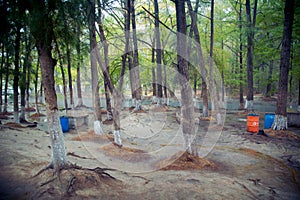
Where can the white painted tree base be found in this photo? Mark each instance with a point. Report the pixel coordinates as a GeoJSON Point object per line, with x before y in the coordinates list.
{"type": "Point", "coordinates": [219, 119]}
{"type": "Point", "coordinates": [159, 102]}
{"type": "Point", "coordinates": [109, 116]}
{"type": "Point", "coordinates": [138, 105]}
{"type": "Point", "coordinates": [204, 112]}
{"type": "Point", "coordinates": [280, 123]}
{"type": "Point", "coordinates": [168, 101]}
{"type": "Point", "coordinates": [22, 115]}
{"type": "Point", "coordinates": [98, 127]}
{"type": "Point", "coordinates": [133, 103]}
{"type": "Point", "coordinates": [59, 157]}
{"type": "Point", "coordinates": [16, 117]}
{"type": "Point", "coordinates": [154, 99]}
{"type": "Point", "coordinates": [249, 105]}
{"type": "Point", "coordinates": [117, 137]}
{"type": "Point", "coordinates": [80, 102]}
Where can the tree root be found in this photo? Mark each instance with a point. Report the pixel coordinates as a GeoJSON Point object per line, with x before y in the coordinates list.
{"type": "Point", "coordinates": [77, 156]}
{"type": "Point", "coordinates": [49, 166]}
{"type": "Point", "coordinates": [47, 182]}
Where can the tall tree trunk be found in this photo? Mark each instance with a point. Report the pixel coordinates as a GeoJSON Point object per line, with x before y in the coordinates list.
{"type": "Point", "coordinates": [241, 92]}
{"type": "Point", "coordinates": [127, 17]}
{"type": "Point", "coordinates": [94, 71]}
{"type": "Point", "coordinates": [212, 85]}
{"type": "Point", "coordinates": [28, 81]}
{"type": "Point", "coordinates": [116, 92]}
{"type": "Point", "coordinates": [62, 74]}
{"type": "Point", "coordinates": [187, 108]}
{"type": "Point", "coordinates": [280, 121]}
{"type": "Point", "coordinates": [154, 90]}
{"type": "Point", "coordinates": [250, 51]}
{"type": "Point", "coordinates": [70, 76]}
{"type": "Point", "coordinates": [158, 55]}
{"type": "Point", "coordinates": [23, 77]}
{"type": "Point", "coordinates": [269, 84]}
{"type": "Point", "coordinates": [299, 95]}
{"type": "Point", "coordinates": [37, 110]}
{"type": "Point", "coordinates": [41, 23]}
{"type": "Point", "coordinates": [109, 115]}
{"type": "Point", "coordinates": [137, 82]}
{"type": "Point", "coordinates": [79, 62]}
{"type": "Point", "coordinates": [6, 83]}
{"type": "Point", "coordinates": [195, 84]}
{"type": "Point", "coordinates": [1, 75]}
{"type": "Point", "coordinates": [201, 59]}
{"type": "Point", "coordinates": [47, 64]}
{"type": "Point", "coordinates": [16, 74]}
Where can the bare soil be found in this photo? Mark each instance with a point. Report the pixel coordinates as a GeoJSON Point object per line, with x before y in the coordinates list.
{"type": "Point", "coordinates": [151, 164]}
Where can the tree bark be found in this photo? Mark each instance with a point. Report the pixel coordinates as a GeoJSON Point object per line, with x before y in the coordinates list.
{"type": "Point", "coordinates": [79, 62]}
{"type": "Point", "coordinates": [94, 71]}
{"type": "Point", "coordinates": [250, 51]}
{"type": "Point", "coordinates": [298, 95]}
{"type": "Point", "coordinates": [158, 55]}
{"type": "Point", "coordinates": [62, 74]}
{"type": "Point", "coordinates": [280, 121]}
{"type": "Point", "coordinates": [40, 25]}
{"type": "Point", "coordinates": [269, 84]}
{"type": "Point", "coordinates": [201, 59]}
{"type": "Point", "coordinates": [154, 91]}
{"type": "Point", "coordinates": [1, 75]}
{"type": "Point", "coordinates": [6, 83]}
{"type": "Point", "coordinates": [187, 108]}
{"type": "Point", "coordinates": [109, 115]}
{"type": "Point", "coordinates": [70, 76]}
{"type": "Point", "coordinates": [127, 17]}
{"type": "Point", "coordinates": [136, 73]}
{"type": "Point", "coordinates": [37, 110]}
{"type": "Point", "coordinates": [212, 85]}
{"type": "Point", "coordinates": [241, 92]}
{"type": "Point", "coordinates": [16, 74]}
{"type": "Point", "coordinates": [23, 85]}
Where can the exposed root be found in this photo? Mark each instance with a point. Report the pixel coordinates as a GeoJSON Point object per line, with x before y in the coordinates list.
{"type": "Point", "coordinates": [49, 166]}
{"type": "Point", "coordinates": [75, 155]}
{"type": "Point", "coordinates": [70, 184]}
{"type": "Point", "coordinates": [247, 189]}
{"type": "Point", "coordinates": [47, 182]}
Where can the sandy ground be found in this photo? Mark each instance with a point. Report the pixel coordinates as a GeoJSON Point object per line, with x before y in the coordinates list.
{"type": "Point", "coordinates": [238, 164]}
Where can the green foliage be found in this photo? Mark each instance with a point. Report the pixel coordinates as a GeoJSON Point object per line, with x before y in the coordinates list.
{"type": "Point", "coordinates": [70, 22]}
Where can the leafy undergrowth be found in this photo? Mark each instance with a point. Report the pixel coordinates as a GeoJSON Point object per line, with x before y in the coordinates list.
{"type": "Point", "coordinates": [125, 153]}
{"type": "Point", "coordinates": [185, 161]}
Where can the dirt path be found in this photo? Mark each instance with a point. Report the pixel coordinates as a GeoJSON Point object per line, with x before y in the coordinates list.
{"type": "Point", "coordinates": [246, 166]}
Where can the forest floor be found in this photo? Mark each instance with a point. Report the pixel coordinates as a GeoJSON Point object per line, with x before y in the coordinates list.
{"type": "Point", "coordinates": [233, 163]}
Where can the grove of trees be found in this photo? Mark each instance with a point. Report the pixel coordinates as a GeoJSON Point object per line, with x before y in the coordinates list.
{"type": "Point", "coordinates": [70, 48]}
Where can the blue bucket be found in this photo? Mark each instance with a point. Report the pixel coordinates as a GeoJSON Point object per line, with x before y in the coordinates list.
{"type": "Point", "coordinates": [64, 122]}
{"type": "Point", "coordinates": [269, 119]}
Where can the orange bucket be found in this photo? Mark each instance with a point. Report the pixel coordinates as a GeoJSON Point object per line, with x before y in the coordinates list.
{"type": "Point", "coordinates": [253, 123]}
